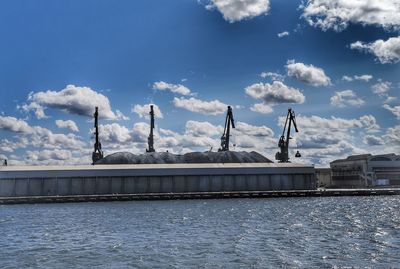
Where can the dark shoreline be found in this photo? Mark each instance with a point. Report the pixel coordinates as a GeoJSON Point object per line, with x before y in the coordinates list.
{"type": "Point", "coordinates": [199, 195]}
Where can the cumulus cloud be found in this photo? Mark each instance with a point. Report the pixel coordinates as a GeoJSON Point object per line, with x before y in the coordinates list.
{"type": "Point", "coordinates": [114, 133]}
{"type": "Point", "coordinates": [38, 136]}
{"type": "Point", "coordinates": [175, 88]}
{"type": "Point", "coordinates": [68, 124]}
{"type": "Point", "coordinates": [372, 140]}
{"type": "Point", "coordinates": [365, 78]}
{"type": "Point", "coordinates": [322, 140]}
{"type": "Point", "coordinates": [275, 93]}
{"type": "Point", "coordinates": [283, 34]}
{"type": "Point", "coordinates": [386, 51]}
{"type": "Point", "coordinates": [261, 108]}
{"type": "Point", "coordinates": [394, 109]}
{"type": "Point", "coordinates": [273, 76]}
{"type": "Point", "coordinates": [144, 110]}
{"type": "Point", "coordinates": [381, 88]}
{"type": "Point", "coordinates": [203, 128]}
{"type": "Point", "coordinates": [346, 98]}
{"type": "Point", "coordinates": [45, 155]}
{"type": "Point", "coordinates": [338, 14]}
{"type": "Point", "coordinates": [72, 99]}
{"type": "Point", "coordinates": [234, 10]}
{"type": "Point", "coordinates": [309, 74]}
{"type": "Point", "coordinates": [214, 107]}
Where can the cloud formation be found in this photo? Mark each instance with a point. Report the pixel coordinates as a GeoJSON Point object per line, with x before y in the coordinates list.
{"type": "Point", "coordinates": [283, 34]}
{"type": "Point", "coordinates": [346, 98]}
{"type": "Point", "coordinates": [261, 108]}
{"type": "Point", "coordinates": [175, 88]}
{"type": "Point", "coordinates": [275, 93]}
{"type": "Point", "coordinates": [37, 136]}
{"type": "Point", "coordinates": [73, 100]}
{"type": "Point", "coordinates": [234, 10]}
{"type": "Point", "coordinates": [394, 109]}
{"type": "Point", "coordinates": [381, 88]}
{"type": "Point", "coordinates": [365, 78]}
{"type": "Point", "coordinates": [309, 74]}
{"type": "Point", "coordinates": [68, 124]}
{"type": "Point", "coordinates": [144, 110]}
{"type": "Point", "coordinates": [386, 51]}
{"type": "Point", "coordinates": [273, 76]}
{"type": "Point", "coordinates": [338, 14]}
{"type": "Point", "coordinates": [214, 107]}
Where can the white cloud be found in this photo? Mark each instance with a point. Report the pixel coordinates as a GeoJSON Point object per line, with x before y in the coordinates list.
{"type": "Point", "coordinates": [394, 109]}
{"type": "Point", "coordinates": [73, 100]}
{"type": "Point", "coordinates": [203, 128]}
{"type": "Point", "coordinates": [114, 133]}
{"type": "Point", "coordinates": [381, 88]}
{"type": "Point", "coordinates": [14, 125]}
{"type": "Point", "coordinates": [261, 108]}
{"type": "Point", "coordinates": [346, 98]}
{"type": "Point", "coordinates": [237, 10]}
{"type": "Point", "coordinates": [283, 34]}
{"type": "Point", "coordinates": [275, 93]}
{"type": "Point", "coordinates": [365, 78]}
{"type": "Point", "coordinates": [214, 107]}
{"type": "Point", "coordinates": [252, 130]}
{"type": "Point", "coordinates": [175, 88]}
{"type": "Point", "coordinates": [144, 110]}
{"type": "Point", "coordinates": [46, 155]}
{"type": "Point", "coordinates": [69, 124]}
{"type": "Point", "coordinates": [309, 74]}
{"type": "Point", "coordinates": [347, 78]}
{"type": "Point", "coordinates": [37, 136]}
{"type": "Point", "coordinates": [338, 14]}
{"type": "Point", "coordinates": [386, 51]}
{"type": "Point", "coordinates": [273, 76]}
{"type": "Point", "coordinates": [373, 140]}
{"type": "Point", "coordinates": [322, 140]}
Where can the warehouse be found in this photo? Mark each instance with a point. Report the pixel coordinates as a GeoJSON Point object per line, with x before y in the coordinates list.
{"type": "Point", "coordinates": [366, 171]}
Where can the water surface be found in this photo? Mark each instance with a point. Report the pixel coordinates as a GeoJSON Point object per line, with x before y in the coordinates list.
{"type": "Point", "coordinates": [232, 233]}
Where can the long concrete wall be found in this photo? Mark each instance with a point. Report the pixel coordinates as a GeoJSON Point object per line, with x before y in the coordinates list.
{"type": "Point", "coordinates": [171, 178]}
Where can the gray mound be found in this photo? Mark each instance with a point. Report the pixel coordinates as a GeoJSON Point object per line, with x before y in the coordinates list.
{"type": "Point", "coordinates": [191, 157]}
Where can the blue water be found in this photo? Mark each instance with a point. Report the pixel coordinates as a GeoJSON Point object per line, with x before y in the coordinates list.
{"type": "Point", "coordinates": [231, 233]}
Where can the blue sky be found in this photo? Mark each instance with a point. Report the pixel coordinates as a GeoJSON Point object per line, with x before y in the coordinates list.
{"type": "Point", "coordinates": [192, 58]}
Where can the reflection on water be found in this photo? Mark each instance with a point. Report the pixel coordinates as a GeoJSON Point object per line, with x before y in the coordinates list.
{"type": "Point", "coordinates": [232, 233]}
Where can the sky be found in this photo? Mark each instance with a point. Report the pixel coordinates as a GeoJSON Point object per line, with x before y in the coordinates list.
{"type": "Point", "coordinates": [335, 63]}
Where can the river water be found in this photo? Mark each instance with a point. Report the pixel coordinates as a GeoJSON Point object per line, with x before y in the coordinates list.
{"type": "Point", "coordinates": [232, 233]}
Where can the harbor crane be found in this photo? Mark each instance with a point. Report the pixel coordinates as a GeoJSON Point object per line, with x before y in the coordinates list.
{"type": "Point", "coordinates": [227, 130]}
{"type": "Point", "coordinates": [97, 153]}
{"type": "Point", "coordinates": [283, 144]}
{"type": "Point", "coordinates": [150, 139]}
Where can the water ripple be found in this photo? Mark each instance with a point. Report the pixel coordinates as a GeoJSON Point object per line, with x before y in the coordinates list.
{"type": "Point", "coordinates": [232, 233]}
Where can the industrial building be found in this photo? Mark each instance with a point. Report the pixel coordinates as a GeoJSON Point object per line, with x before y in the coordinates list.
{"type": "Point", "coordinates": [366, 171]}
{"type": "Point", "coordinates": [25, 181]}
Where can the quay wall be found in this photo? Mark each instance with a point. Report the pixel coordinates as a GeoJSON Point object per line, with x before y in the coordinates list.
{"type": "Point", "coordinates": [153, 178]}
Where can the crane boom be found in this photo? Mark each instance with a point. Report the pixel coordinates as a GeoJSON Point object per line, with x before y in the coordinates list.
{"type": "Point", "coordinates": [97, 153]}
{"type": "Point", "coordinates": [227, 130]}
{"type": "Point", "coordinates": [150, 139]}
{"type": "Point", "coordinates": [283, 144]}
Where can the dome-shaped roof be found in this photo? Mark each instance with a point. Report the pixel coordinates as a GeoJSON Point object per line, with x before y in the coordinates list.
{"type": "Point", "coordinates": [191, 157]}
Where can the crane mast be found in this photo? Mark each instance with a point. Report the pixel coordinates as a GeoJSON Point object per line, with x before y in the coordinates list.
{"type": "Point", "coordinates": [283, 144]}
{"type": "Point", "coordinates": [227, 130]}
{"type": "Point", "coordinates": [150, 139]}
{"type": "Point", "coordinates": [97, 153]}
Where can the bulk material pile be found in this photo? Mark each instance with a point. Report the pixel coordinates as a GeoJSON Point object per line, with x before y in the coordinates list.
{"type": "Point", "coordinates": [192, 157]}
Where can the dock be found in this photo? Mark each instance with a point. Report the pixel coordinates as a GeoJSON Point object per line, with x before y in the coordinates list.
{"type": "Point", "coordinates": [198, 195]}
